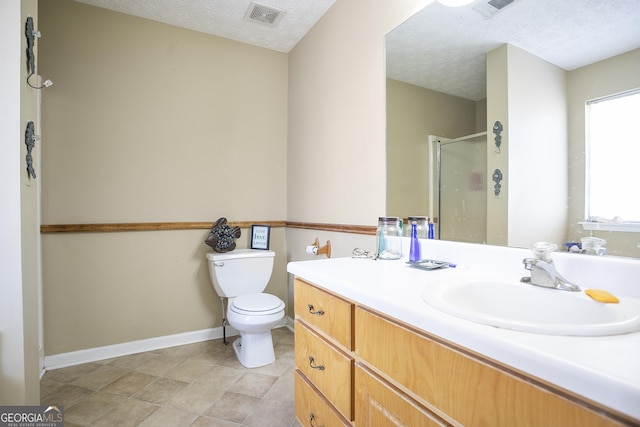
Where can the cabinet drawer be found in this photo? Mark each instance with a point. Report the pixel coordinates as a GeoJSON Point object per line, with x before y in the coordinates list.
{"type": "Point", "coordinates": [329, 369]}
{"type": "Point", "coordinates": [378, 404]}
{"type": "Point", "coordinates": [312, 409]}
{"type": "Point", "coordinates": [468, 389]}
{"type": "Point", "coordinates": [324, 311]}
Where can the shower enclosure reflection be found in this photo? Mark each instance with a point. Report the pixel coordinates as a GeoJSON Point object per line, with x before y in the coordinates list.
{"type": "Point", "coordinates": [460, 187]}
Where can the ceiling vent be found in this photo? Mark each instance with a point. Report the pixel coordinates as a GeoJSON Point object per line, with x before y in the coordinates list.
{"type": "Point", "coordinates": [491, 7]}
{"type": "Point", "coordinates": [263, 14]}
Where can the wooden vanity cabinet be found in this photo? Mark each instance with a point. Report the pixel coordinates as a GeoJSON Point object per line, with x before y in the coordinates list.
{"type": "Point", "coordinates": [323, 354]}
{"type": "Point", "coordinates": [378, 372]}
{"type": "Point", "coordinates": [325, 312]}
{"type": "Point", "coordinates": [328, 368]}
{"type": "Point", "coordinates": [462, 387]}
{"type": "Point", "coordinates": [378, 403]}
{"type": "Point", "coordinates": [312, 408]}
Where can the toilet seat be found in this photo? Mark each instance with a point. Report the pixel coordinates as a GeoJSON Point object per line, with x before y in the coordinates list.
{"type": "Point", "coordinates": [256, 304]}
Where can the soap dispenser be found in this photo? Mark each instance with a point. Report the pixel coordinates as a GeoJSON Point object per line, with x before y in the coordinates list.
{"type": "Point", "coordinates": [414, 251]}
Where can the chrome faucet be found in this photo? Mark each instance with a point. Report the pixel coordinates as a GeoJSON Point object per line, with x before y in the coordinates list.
{"type": "Point", "coordinates": [543, 270]}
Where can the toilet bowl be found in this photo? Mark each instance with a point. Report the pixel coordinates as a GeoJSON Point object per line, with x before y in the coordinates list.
{"type": "Point", "coordinates": [254, 316]}
{"type": "Point", "coordinates": [241, 276]}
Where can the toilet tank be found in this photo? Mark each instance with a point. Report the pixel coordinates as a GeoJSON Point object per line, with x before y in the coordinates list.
{"type": "Point", "coordinates": [240, 272]}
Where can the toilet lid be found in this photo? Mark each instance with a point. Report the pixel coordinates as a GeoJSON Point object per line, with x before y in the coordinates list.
{"type": "Point", "coordinates": [257, 304]}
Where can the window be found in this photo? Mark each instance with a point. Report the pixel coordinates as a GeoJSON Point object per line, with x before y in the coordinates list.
{"type": "Point", "coordinates": [613, 157]}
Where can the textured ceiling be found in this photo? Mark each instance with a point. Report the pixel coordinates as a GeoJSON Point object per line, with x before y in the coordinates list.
{"type": "Point", "coordinates": [439, 48]}
{"type": "Point", "coordinates": [444, 48]}
{"type": "Point", "coordinates": [225, 18]}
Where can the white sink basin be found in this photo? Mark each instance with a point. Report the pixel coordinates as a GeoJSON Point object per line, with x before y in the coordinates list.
{"type": "Point", "coordinates": [528, 308]}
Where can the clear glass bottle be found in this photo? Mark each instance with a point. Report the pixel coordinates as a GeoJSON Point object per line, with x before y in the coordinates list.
{"type": "Point", "coordinates": [421, 225]}
{"type": "Point", "coordinates": [389, 237]}
{"type": "Point", "coordinates": [593, 246]}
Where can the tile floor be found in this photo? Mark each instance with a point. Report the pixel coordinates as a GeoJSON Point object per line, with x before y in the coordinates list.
{"type": "Point", "coordinates": [199, 385]}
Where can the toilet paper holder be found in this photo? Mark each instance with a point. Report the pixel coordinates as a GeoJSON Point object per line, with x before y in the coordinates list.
{"type": "Point", "coordinates": [315, 248]}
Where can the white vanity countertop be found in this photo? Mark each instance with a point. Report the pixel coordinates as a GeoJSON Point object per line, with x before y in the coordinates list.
{"type": "Point", "coordinates": [603, 369]}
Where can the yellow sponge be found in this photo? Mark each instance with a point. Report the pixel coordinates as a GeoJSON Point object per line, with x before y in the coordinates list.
{"type": "Point", "coordinates": [602, 296]}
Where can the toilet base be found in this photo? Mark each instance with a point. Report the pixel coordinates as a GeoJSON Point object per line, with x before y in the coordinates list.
{"type": "Point", "coordinates": [255, 350]}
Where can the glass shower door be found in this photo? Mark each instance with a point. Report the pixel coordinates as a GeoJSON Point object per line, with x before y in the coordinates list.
{"type": "Point", "coordinates": [462, 189]}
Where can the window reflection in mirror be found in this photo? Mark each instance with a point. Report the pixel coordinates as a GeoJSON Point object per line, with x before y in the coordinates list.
{"type": "Point", "coordinates": [613, 157]}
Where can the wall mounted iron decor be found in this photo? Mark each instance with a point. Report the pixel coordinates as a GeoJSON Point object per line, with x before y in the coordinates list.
{"type": "Point", "coordinates": [31, 33]}
{"type": "Point", "coordinates": [30, 139]}
{"type": "Point", "coordinates": [497, 177]}
{"type": "Point", "coordinates": [497, 130]}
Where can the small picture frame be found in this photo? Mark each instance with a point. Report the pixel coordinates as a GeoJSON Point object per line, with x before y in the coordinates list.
{"type": "Point", "coordinates": [260, 237]}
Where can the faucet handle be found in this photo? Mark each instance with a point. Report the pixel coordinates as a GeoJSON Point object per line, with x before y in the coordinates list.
{"type": "Point", "coordinates": [542, 250]}
{"type": "Point", "coordinates": [528, 263]}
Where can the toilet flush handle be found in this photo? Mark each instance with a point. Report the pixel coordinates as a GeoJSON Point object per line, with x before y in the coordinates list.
{"type": "Point", "coordinates": [218, 264]}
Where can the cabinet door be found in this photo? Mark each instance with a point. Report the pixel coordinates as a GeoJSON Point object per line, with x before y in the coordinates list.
{"type": "Point", "coordinates": [380, 405]}
{"type": "Point", "coordinates": [470, 390]}
{"type": "Point", "coordinates": [329, 369]}
{"type": "Point", "coordinates": [312, 409]}
{"type": "Point", "coordinates": [325, 312]}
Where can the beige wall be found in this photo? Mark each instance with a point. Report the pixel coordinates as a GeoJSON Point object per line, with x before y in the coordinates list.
{"type": "Point", "coordinates": [414, 113]}
{"type": "Point", "coordinates": [336, 161]}
{"type": "Point", "coordinates": [148, 122]}
{"type": "Point", "coordinates": [528, 96]}
{"type": "Point", "coordinates": [618, 74]}
{"type": "Point", "coordinates": [336, 151]}
{"type": "Point", "coordinates": [128, 286]}
{"type": "Point", "coordinates": [537, 150]}
{"type": "Point", "coordinates": [498, 110]}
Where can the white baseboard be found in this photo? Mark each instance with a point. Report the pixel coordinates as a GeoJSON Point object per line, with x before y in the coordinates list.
{"type": "Point", "coordinates": [79, 357]}
{"type": "Point", "coordinates": [289, 323]}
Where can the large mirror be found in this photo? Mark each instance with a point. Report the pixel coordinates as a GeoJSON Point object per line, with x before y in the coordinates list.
{"type": "Point", "coordinates": [450, 72]}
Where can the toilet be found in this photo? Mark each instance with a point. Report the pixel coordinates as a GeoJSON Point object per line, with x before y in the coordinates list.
{"type": "Point", "coordinates": [241, 275]}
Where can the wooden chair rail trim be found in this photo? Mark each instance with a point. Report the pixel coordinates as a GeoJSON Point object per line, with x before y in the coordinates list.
{"type": "Point", "coordinates": [340, 228]}
{"type": "Point", "coordinates": [164, 226]}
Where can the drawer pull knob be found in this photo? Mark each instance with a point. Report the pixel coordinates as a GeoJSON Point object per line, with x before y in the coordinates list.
{"type": "Point", "coordinates": [312, 361]}
{"type": "Point", "coordinates": [311, 418]}
{"type": "Point", "coordinates": [318, 312]}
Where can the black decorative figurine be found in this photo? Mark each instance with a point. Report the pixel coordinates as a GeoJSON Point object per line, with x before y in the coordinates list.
{"type": "Point", "coordinates": [221, 237]}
